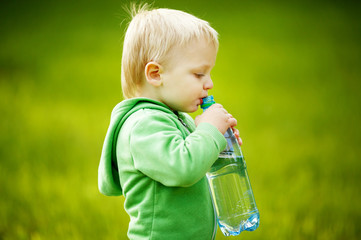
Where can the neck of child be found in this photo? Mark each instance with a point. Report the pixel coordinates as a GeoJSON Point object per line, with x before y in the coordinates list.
{"type": "Point", "coordinates": [149, 93]}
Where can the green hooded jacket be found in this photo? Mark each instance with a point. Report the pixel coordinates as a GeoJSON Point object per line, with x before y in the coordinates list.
{"type": "Point", "coordinates": [158, 159]}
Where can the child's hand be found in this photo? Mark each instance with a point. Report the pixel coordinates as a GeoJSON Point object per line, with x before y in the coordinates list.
{"type": "Point", "coordinates": [218, 117]}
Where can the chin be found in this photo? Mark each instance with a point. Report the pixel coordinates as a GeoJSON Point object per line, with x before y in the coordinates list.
{"type": "Point", "coordinates": [192, 109]}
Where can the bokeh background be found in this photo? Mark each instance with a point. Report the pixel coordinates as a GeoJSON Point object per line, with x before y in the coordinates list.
{"type": "Point", "coordinates": [289, 71]}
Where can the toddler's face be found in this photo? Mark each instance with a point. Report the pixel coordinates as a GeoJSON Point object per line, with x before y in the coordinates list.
{"type": "Point", "coordinates": [186, 76]}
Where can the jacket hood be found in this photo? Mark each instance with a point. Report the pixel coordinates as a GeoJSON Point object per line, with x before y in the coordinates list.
{"type": "Point", "coordinates": [108, 176]}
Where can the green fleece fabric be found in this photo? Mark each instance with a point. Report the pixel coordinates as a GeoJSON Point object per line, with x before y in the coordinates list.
{"type": "Point", "coordinates": [159, 165]}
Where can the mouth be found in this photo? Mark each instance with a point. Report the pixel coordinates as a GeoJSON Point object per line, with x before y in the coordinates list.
{"type": "Point", "coordinates": [201, 100]}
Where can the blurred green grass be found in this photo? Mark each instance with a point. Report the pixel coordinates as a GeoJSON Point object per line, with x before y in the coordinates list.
{"type": "Point", "coordinates": [289, 72]}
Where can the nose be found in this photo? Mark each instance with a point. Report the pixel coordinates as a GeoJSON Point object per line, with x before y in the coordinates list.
{"type": "Point", "coordinates": [208, 84]}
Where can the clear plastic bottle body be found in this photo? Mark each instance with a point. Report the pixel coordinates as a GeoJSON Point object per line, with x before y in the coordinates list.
{"type": "Point", "coordinates": [231, 189]}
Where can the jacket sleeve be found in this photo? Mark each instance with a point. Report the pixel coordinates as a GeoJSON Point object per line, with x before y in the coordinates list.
{"type": "Point", "coordinates": [160, 151]}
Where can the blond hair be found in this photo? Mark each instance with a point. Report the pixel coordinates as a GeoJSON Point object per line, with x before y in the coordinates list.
{"type": "Point", "coordinates": [150, 36]}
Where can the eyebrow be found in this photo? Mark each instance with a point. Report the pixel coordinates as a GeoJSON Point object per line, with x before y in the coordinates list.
{"type": "Point", "coordinates": [205, 66]}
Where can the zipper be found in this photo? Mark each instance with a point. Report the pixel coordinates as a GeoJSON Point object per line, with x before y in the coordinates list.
{"type": "Point", "coordinates": [182, 122]}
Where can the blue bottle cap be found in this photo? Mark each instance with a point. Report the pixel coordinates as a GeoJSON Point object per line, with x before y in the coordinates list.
{"type": "Point", "coordinates": [207, 102]}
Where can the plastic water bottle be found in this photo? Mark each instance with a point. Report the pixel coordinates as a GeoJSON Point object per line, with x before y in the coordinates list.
{"type": "Point", "coordinates": [230, 187]}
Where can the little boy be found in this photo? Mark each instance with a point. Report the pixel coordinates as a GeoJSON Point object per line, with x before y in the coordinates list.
{"type": "Point", "coordinates": [154, 153]}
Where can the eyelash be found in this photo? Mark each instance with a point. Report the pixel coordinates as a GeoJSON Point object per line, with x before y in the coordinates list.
{"type": "Point", "coordinates": [199, 75]}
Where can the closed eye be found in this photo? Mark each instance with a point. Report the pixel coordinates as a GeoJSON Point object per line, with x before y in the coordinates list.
{"type": "Point", "coordinates": [199, 75]}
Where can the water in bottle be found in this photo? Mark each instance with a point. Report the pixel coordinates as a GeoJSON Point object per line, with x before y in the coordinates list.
{"type": "Point", "coordinates": [230, 187]}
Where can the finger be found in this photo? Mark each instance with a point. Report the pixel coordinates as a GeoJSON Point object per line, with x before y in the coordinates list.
{"type": "Point", "coordinates": [235, 131]}
{"type": "Point", "coordinates": [236, 134]}
{"type": "Point", "coordinates": [232, 122]}
{"type": "Point", "coordinates": [240, 142]}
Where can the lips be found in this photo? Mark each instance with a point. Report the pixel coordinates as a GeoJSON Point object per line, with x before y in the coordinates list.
{"type": "Point", "coordinates": [201, 99]}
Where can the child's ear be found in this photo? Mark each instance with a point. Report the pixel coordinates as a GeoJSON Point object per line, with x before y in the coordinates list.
{"type": "Point", "coordinates": [152, 73]}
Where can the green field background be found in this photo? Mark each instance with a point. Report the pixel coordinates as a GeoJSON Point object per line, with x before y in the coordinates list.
{"type": "Point", "coordinates": [289, 71]}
